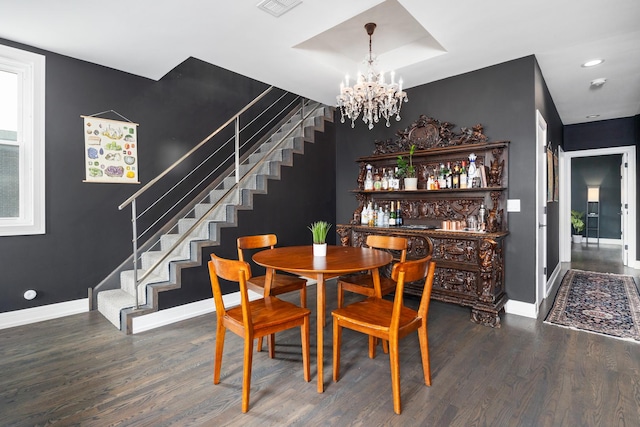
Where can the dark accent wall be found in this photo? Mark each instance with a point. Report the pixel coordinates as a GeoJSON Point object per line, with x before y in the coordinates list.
{"type": "Point", "coordinates": [502, 98]}
{"type": "Point", "coordinates": [605, 134]}
{"type": "Point", "coordinates": [544, 104]}
{"type": "Point", "coordinates": [603, 171]}
{"type": "Point", "coordinates": [86, 236]}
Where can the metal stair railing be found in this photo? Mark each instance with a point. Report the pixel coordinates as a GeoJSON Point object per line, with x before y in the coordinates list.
{"type": "Point", "coordinates": [239, 154]}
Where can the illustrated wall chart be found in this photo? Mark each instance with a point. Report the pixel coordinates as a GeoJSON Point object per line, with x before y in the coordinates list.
{"type": "Point", "coordinates": [111, 150]}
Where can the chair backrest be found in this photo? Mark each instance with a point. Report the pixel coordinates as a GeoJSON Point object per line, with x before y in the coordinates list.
{"type": "Point", "coordinates": [255, 242]}
{"type": "Point", "coordinates": [411, 271]}
{"type": "Point", "coordinates": [233, 271]}
{"type": "Point", "coordinates": [389, 242]}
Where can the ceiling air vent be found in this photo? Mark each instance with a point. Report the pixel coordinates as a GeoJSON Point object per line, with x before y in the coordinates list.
{"type": "Point", "coordinates": [278, 7]}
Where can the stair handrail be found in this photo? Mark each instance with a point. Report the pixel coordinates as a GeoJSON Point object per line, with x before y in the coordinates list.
{"type": "Point", "coordinates": [132, 200]}
{"type": "Point", "coordinates": [194, 149]}
{"type": "Point", "coordinates": [203, 218]}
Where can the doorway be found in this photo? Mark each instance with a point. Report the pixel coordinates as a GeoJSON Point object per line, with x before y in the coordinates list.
{"type": "Point", "coordinates": [628, 201]}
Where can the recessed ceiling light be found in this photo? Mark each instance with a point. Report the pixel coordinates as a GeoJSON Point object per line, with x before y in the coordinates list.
{"type": "Point", "coordinates": [598, 82]}
{"type": "Point", "coordinates": [593, 63]}
{"type": "Point", "coordinates": [593, 116]}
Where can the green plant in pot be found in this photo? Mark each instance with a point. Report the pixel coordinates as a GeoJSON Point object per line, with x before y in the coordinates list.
{"type": "Point", "coordinates": [577, 224]}
{"type": "Point", "coordinates": [408, 170]}
{"type": "Point", "coordinates": [319, 231]}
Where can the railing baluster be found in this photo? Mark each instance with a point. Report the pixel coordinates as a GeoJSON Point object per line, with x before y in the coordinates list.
{"type": "Point", "coordinates": [237, 160]}
{"type": "Point", "coordinates": [134, 225]}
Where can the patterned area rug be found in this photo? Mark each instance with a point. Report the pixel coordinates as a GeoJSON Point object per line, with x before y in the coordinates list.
{"type": "Point", "coordinates": [601, 303]}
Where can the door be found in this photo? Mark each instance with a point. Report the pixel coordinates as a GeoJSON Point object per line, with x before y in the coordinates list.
{"type": "Point", "coordinates": [624, 208]}
{"type": "Point", "coordinates": [541, 208]}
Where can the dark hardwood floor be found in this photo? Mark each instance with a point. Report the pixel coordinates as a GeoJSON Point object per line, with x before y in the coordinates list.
{"type": "Point", "coordinates": [79, 370]}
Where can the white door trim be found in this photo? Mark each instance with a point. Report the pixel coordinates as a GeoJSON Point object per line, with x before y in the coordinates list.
{"type": "Point", "coordinates": [541, 206]}
{"type": "Point", "coordinates": [565, 198]}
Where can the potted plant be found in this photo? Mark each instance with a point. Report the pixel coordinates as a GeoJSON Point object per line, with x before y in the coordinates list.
{"type": "Point", "coordinates": [319, 231]}
{"type": "Point", "coordinates": [577, 224]}
{"type": "Point", "coordinates": [408, 171]}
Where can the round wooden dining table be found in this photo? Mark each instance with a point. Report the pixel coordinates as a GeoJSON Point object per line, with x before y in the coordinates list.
{"type": "Point", "coordinates": [339, 260]}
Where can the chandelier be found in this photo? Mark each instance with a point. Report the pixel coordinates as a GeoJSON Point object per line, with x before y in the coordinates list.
{"type": "Point", "coordinates": [371, 96]}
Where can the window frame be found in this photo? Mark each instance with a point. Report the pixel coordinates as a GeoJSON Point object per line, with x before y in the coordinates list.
{"type": "Point", "coordinates": [30, 68]}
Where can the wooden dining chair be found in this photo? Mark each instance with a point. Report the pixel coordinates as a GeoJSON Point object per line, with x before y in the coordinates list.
{"type": "Point", "coordinates": [362, 283]}
{"type": "Point", "coordinates": [252, 319]}
{"type": "Point", "coordinates": [280, 284]}
{"type": "Point", "coordinates": [391, 321]}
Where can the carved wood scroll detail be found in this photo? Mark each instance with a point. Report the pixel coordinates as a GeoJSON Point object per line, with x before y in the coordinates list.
{"type": "Point", "coordinates": [427, 132]}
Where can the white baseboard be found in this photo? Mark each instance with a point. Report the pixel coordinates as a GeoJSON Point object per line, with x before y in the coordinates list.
{"type": "Point", "coordinates": [184, 312]}
{"type": "Point", "coordinates": [552, 279]}
{"type": "Point", "coordinates": [44, 312]}
{"type": "Point", "coordinates": [520, 308]}
{"type": "Point", "coordinates": [188, 311]}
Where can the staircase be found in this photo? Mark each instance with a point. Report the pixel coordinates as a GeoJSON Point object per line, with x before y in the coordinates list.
{"type": "Point", "coordinates": [179, 244]}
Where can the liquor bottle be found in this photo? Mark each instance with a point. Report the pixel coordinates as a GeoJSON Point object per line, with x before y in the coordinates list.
{"type": "Point", "coordinates": [463, 176]}
{"type": "Point", "coordinates": [442, 177]}
{"type": "Point", "coordinates": [455, 177]}
{"type": "Point", "coordinates": [368, 180]}
{"type": "Point", "coordinates": [449, 175]}
{"type": "Point", "coordinates": [386, 217]}
{"type": "Point", "coordinates": [399, 219]}
{"type": "Point", "coordinates": [392, 215]}
{"type": "Point", "coordinates": [380, 217]}
{"type": "Point", "coordinates": [371, 218]}
{"type": "Point", "coordinates": [377, 181]}
{"type": "Point", "coordinates": [384, 179]}
{"type": "Point", "coordinates": [364, 215]}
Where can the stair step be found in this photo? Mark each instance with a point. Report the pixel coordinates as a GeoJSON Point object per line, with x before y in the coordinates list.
{"type": "Point", "coordinates": [111, 302]}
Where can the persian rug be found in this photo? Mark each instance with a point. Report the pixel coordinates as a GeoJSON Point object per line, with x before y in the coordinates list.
{"type": "Point", "coordinates": [602, 303]}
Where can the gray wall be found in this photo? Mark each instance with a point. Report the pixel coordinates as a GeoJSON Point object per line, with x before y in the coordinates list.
{"type": "Point", "coordinates": [603, 171]}
{"type": "Point", "coordinates": [86, 236]}
{"type": "Point", "coordinates": [502, 99]}
{"type": "Point", "coordinates": [605, 134]}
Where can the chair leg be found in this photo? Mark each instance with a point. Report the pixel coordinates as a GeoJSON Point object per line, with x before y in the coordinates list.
{"type": "Point", "coordinates": [246, 372]}
{"type": "Point", "coordinates": [304, 331]}
{"type": "Point", "coordinates": [220, 330]}
{"type": "Point", "coordinates": [271, 340]}
{"type": "Point", "coordinates": [385, 346]}
{"type": "Point", "coordinates": [303, 297]}
{"type": "Point", "coordinates": [424, 352]}
{"type": "Point", "coordinates": [373, 342]}
{"type": "Point", "coordinates": [394, 361]}
{"type": "Point", "coordinates": [337, 341]}
{"type": "Point", "coordinates": [259, 344]}
{"type": "Point", "coordinates": [340, 295]}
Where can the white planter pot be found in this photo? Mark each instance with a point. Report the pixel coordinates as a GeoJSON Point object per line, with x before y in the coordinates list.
{"type": "Point", "coordinates": [411, 184]}
{"type": "Point", "coordinates": [319, 249]}
{"type": "Point", "coordinates": [576, 238]}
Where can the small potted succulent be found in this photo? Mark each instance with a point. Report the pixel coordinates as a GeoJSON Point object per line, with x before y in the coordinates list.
{"type": "Point", "coordinates": [408, 170]}
{"type": "Point", "coordinates": [577, 224]}
{"type": "Point", "coordinates": [319, 231]}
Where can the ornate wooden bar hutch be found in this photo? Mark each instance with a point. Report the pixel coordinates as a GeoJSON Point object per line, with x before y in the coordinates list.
{"type": "Point", "coordinates": [469, 264]}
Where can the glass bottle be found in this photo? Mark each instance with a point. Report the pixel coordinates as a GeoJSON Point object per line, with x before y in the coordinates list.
{"type": "Point", "coordinates": [392, 215]}
{"type": "Point", "coordinates": [399, 219]}
{"type": "Point", "coordinates": [368, 180]}
{"type": "Point", "coordinates": [463, 176]}
{"type": "Point", "coordinates": [449, 175]}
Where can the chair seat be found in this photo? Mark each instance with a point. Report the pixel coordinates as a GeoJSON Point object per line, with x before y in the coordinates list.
{"type": "Point", "coordinates": [282, 283]}
{"type": "Point", "coordinates": [267, 313]}
{"type": "Point", "coordinates": [363, 284]}
{"type": "Point", "coordinates": [375, 313]}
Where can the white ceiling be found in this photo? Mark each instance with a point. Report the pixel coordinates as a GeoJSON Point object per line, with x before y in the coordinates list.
{"type": "Point", "coordinates": [309, 49]}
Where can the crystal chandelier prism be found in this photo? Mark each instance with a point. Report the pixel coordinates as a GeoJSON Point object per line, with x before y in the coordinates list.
{"type": "Point", "coordinates": [371, 96]}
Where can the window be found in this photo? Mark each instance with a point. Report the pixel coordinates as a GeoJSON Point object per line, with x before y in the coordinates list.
{"type": "Point", "coordinates": [22, 191]}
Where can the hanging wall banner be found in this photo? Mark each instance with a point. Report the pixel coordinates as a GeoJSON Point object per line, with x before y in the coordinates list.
{"type": "Point", "coordinates": [110, 150]}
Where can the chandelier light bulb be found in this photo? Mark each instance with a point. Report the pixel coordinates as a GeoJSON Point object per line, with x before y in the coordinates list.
{"type": "Point", "coordinates": [370, 95]}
